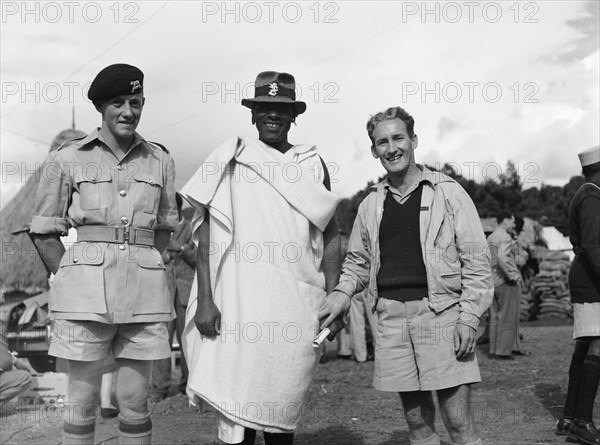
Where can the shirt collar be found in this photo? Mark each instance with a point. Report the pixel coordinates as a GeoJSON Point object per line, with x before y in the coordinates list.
{"type": "Point", "coordinates": [95, 135]}
{"type": "Point", "coordinates": [387, 184]}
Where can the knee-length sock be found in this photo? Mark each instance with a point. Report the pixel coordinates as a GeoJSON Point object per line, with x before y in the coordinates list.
{"type": "Point", "coordinates": [579, 354]}
{"type": "Point", "coordinates": [588, 388]}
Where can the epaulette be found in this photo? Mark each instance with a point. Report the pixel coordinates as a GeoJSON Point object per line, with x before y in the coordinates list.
{"type": "Point", "coordinates": [159, 145]}
{"type": "Point", "coordinates": [70, 142]}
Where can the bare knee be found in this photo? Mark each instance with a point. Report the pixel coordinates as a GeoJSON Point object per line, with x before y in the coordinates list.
{"type": "Point", "coordinates": [83, 391]}
{"type": "Point", "coordinates": [132, 387]}
{"type": "Point", "coordinates": [132, 400]}
{"type": "Point", "coordinates": [419, 412]}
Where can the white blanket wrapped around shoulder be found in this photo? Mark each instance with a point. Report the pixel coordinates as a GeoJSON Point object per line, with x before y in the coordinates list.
{"type": "Point", "coordinates": [267, 214]}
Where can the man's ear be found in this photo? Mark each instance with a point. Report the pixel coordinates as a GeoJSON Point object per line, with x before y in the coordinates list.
{"type": "Point", "coordinates": [373, 152]}
{"type": "Point", "coordinates": [143, 101]}
{"type": "Point", "coordinates": [414, 142]}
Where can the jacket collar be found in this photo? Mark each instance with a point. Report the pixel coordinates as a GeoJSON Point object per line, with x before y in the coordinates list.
{"type": "Point", "coordinates": [427, 175]}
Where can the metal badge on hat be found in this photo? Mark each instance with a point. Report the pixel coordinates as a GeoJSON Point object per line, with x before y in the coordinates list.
{"type": "Point", "coordinates": [273, 89]}
{"type": "Point", "coordinates": [135, 84]}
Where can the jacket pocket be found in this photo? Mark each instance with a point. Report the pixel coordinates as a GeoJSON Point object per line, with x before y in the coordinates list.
{"type": "Point", "coordinates": [153, 296]}
{"type": "Point", "coordinates": [96, 189]}
{"type": "Point", "coordinates": [79, 282]}
{"type": "Point", "coordinates": [451, 282]}
{"type": "Point", "coordinates": [145, 191]}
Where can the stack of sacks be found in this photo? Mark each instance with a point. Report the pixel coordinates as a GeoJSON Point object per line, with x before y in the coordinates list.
{"type": "Point", "coordinates": [550, 286]}
{"type": "Point", "coordinates": [526, 303]}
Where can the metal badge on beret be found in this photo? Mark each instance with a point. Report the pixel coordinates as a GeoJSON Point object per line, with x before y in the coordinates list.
{"type": "Point", "coordinates": [116, 80]}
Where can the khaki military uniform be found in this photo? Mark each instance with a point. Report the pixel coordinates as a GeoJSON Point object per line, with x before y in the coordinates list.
{"type": "Point", "coordinates": [113, 274]}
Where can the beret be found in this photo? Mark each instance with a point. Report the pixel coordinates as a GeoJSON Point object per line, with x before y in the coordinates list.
{"type": "Point", "coordinates": [590, 156]}
{"type": "Point", "coordinates": [116, 80]}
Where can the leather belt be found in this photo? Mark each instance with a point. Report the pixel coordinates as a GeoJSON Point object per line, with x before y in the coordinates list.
{"type": "Point", "coordinates": [116, 234]}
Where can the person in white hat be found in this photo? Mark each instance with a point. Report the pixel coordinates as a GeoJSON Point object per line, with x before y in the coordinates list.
{"type": "Point", "coordinates": [269, 249]}
{"type": "Point", "coordinates": [584, 284]}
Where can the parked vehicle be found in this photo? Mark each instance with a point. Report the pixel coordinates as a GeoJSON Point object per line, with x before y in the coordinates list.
{"type": "Point", "coordinates": [28, 330]}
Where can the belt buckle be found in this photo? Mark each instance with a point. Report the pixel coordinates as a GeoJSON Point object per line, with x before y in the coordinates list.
{"type": "Point", "coordinates": [126, 234]}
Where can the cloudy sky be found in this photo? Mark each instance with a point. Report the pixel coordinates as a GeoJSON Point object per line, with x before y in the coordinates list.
{"type": "Point", "coordinates": [487, 82]}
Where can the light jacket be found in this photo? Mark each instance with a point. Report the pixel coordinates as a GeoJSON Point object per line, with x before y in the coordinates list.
{"type": "Point", "coordinates": [452, 242]}
{"type": "Point", "coordinates": [503, 260]}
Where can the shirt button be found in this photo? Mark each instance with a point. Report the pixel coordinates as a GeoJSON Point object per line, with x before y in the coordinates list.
{"type": "Point", "coordinates": [122, 247]}
{"type": "Point", "coordinates": [93, 179]}
{"type": "Point", "coordinates": [124, 220]}
{"type": "Point", "coordinates": [159, 263]}
{"type": "Point", "coordinates": [119, 167]}
{"type": "Point", "coordinates": [123, 193]}
{"type": "Point", "coordinates": [75, 260]}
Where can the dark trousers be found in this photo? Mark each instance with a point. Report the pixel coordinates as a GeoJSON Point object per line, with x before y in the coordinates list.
{"type": "Point", "coordinates": [504, 319]}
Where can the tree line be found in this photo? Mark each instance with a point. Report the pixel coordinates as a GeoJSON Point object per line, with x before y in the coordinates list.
{"type": "Point", "coordinates": [549, 205]}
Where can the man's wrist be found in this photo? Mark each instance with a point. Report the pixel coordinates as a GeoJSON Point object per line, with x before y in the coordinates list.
{"type": "Point", "coordinates": [344, 294]}
{"type": "Point", "coordinates": [468, 319]}
{"type": "Point", "coordinates": [345, 287]}
{"type": "Point", "coordinates": [466, 324]}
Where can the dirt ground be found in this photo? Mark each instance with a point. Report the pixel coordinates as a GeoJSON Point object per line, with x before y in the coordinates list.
{"type": "Point", "coordinates": [516, 403]}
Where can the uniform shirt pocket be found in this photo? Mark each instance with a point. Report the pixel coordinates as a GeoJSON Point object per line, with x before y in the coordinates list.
{"type": "Point", "coordinates": [79, 282]}
{"type": "Point", "coordinates": [152, 296]}
{"type": "Point", "coordinates": [145, 191]}
{"type": "Point", "coordinates": [95, 188]}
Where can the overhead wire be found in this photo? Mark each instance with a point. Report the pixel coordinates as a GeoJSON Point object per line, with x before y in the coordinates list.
{"type": "Point", "coordinates": [325, 59]}
{"type": "Point", "coordinates": [111, 46]}
{"type": "Point", "coordinates": [117, 42]}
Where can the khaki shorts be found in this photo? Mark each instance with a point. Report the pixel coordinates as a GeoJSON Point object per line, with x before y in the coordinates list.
{"type": "Point", "coordinates": [587, 320]}
{"type": "Point", "coordinates": [415, 348]}
{"type": "Point", "coordinates": [91, 340]}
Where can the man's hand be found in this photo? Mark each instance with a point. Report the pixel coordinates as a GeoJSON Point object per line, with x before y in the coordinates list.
{"type": "Point", "coordinates": [24, 365]}
{"type": "Point", "coordinates": [208, 318]}
{"type": "Point", "coordinates": [51, 249]}
{"type": "Point", "coordinates": [464, 340]}
{"type": "Point", "coordinates": [174, 246]}
{"type": "Point", "coordinates": [335, 304]}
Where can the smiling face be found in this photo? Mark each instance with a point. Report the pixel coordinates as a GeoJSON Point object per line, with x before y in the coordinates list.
{"type": "Point", "coordinates": [121, 115]}
{"type": "Point", "coordinates": [394, 148]}
{"type": "Point", "coordinates": [273, 121]}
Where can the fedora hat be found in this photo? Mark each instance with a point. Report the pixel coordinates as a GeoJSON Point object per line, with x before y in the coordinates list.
{"type": "Point", "coordinates": [271, 86]}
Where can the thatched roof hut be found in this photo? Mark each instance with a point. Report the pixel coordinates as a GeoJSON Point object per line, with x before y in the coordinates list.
{"type": "Point", "coordinates": [22, 270]}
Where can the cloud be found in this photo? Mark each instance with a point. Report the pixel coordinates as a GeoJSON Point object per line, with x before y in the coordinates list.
{"type": "Point", "coordinates": [445, 126]}
{"type": "Point", "coordinates": [198, 67]}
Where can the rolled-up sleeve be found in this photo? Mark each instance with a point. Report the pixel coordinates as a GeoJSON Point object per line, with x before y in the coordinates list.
{"type": "Point", "coordinates": [52, 199]}
{"type": "Point", "coordinates": [167, 217]}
